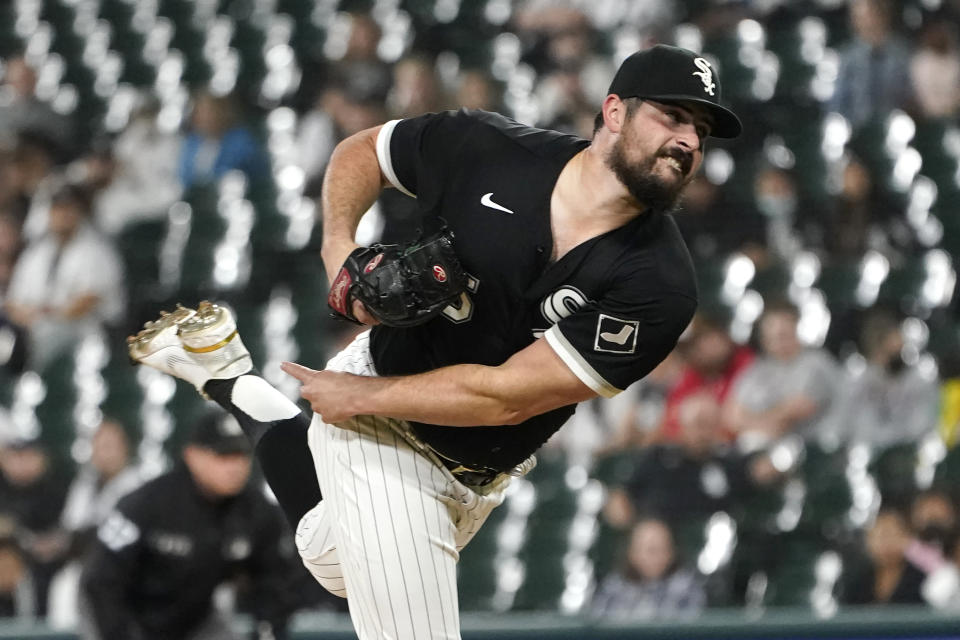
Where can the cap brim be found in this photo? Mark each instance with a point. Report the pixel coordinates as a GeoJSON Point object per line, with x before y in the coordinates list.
{"type": "Point", "coordinates": [725, 123]}
{"type": "Point", "coordinates": [228, 447]}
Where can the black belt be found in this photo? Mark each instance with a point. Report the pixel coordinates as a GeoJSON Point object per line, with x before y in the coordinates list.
{"type": "Point", "coordinates": [471, 476]}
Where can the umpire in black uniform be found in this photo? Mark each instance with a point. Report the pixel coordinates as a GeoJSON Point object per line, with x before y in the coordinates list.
{"type": "Point", "coordinates": [159, 556]}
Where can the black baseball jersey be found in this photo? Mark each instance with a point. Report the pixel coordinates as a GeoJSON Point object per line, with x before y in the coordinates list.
{"type": "Point", "coordinates": [612, 307]}
{"type": "Point", "coordinates": [160, 555]}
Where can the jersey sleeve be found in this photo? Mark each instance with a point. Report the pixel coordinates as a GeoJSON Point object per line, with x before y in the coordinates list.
{"type": "Point", "coordinates": [611, 343]}
{"type": "Point", "coordinates": [415, 154]}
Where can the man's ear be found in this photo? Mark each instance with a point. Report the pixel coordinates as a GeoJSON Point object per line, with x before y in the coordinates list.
{"type": "Point", "coordinates": [614, 113]}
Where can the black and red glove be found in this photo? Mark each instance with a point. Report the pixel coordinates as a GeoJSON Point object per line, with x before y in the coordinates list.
{"type": "Point", "coordinates": [400, 285]}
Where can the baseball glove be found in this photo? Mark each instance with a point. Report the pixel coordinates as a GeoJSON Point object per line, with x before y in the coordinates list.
{"type": "Point", "coordinates": [400, 285]}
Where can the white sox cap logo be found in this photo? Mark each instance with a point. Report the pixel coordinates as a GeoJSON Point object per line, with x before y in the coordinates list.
{"type": "Point", "coordinates": [705, 74]}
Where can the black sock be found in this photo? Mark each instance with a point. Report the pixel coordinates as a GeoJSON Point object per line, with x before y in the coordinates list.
{"type": "Point", "coordinates": [282, 450]}
{"type": "Point", "coordinates": [288, 468]}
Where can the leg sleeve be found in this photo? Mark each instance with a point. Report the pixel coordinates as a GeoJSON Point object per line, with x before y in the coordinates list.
{"type": "Point", "coordinates": [278, 430]}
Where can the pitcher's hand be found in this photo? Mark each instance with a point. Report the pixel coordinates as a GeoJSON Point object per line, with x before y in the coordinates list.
{"type": "Point", "coordinates": [331, 394]}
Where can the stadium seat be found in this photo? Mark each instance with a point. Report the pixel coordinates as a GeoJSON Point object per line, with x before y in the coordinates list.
{"type": "Point", "coordinates": [139, 245]}
{"type": "Point", "coordinates": [947, 473]}
{"type": "Point", "coordinates": [55, 411]}
{"type": "Point", "coordinates": [793, 576]}
{"type": "Point", "coordinates": [9, 42]}
{"type": "Point", "coordinates": [938, 164]}
{"type": "Point", "coordinates": [478, 565]}
{"type": "Point", "coordinates": [786, 41]}
{"type": "Point", "coordinates": [829, 498]}
{"type": "Point", "coordinates": [548, 530]}
{"type": "Point", "coordinates": [124, 394]}
{"type": "Point", "coordinates": [894, 469]}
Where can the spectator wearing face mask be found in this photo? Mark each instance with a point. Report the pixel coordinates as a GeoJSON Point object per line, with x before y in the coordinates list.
{"type": "Point", "coordinates": [933, 516]}
{"type": "Point", "coordinates": [887, 401]}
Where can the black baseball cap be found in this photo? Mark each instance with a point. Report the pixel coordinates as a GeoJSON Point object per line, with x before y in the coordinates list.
{"type": "Point", "coordinates": [671, 74]}
{"type": "Point", "coordinates": [221, 433]}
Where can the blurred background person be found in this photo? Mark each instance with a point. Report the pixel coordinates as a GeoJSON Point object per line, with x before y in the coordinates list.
{"type": "Point", "coordinates": [32, 494]}
{"type": "Point", "coordinates": [416, 88]}
{"type": "Point", "coordinates": [887, 576]}
{"type": "Point", "coordinates": [16, 583]}
{"type": "Point", "coordinates": [688, 480]}
{"type": "Point", "coordinates": [561, 37]}
{"type": "Point", "coordinates": [874, 74]}
{"type": "Point", "coordinates": [10, 247]}
{"type": "Point", "coordinates": [96, 488]}
{"type": "Point", "coordinates": [138, 171]}
{"type": "Point", "coordinates": [342, 109]}
{"type": "Point", "coordinates": [30, 182]}
{"type": "Point", "coordinates": [360, 65]}
{"type": "Point", "coordinates": [653, 584]}
{"type": "Point", "coordinates": [348, 98]}
{"type": "Point", "coordinates": [933, 518]}
{"type": "Point", "coordinates": [941, 589]}
{"type": "Point", "coordinates": [788, 389]}
{"type": "Point", "coordinates": [859, 214]}
{"type": "Point", "coordinates": [162, 552]}
{"type": "Point", "coordinates": [476, 89]}
{"type": "Point", "coordinates": [68, 283]}
{"type": "Point", "coordinates": [630, 420]}
{"type": "Point", "coordinates": [218, 141]}
{"type": "Point", "coordinates": [887, 402]}
{"type": "Point", "coordinates": [776, 198]}
{"type": "Point", "coordinates": [13, 339]}
{"type": "Point", "coordinates": [714, 225]}
{"type": "Point", "coordinates": [22, 112]}
{"type": "Point", "coordinates": [935, 71]}
{"type": "Point", "coordinates": [99, 484]}
{"type": "Point", "coordinates": [713, 364]}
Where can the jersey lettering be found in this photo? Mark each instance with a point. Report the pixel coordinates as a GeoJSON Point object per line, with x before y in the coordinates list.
{"type": "Point", "coordinates": [564, 302]}
{"type": "Point", "coordinates": [462, 310]}
{"type": "Point", "coordinates": [561, 303]}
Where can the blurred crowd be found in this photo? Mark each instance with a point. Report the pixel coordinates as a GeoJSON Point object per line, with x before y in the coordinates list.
{"type": "Point", "coordinates": [796, 448]}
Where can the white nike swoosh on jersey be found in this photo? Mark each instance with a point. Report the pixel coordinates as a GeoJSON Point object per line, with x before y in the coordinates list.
{"type": "Point", "coordinates": [487, 202]}
{"type": "Point", "coordinates": [620, 337]}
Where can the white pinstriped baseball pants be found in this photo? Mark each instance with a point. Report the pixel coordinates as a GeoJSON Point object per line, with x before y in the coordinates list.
{"type": "Point", "coordinates": [391, 523]}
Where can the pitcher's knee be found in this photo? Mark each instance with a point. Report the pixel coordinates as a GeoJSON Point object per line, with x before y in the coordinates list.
{"type": "Point", "coordinates": [319, 554]}
{"type": "Point", "coordinates": [329, 576]}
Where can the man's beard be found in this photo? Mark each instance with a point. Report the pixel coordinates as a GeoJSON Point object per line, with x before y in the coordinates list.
{"type": "Point", "coordinates": [643, 183]}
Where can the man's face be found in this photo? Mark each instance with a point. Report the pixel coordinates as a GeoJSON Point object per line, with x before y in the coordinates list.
{"type": "Point", "coordinates": [778, 335]}
{"type": "Point", "coordinates": [218, 475]}
{"type": "Point", "coordinates": [110, 452]}
{"type": "Point", "coordinates": [23, 467]}
{"type": "Point", "coordinates": [887, 539]}
{"type": "Point", "coordinates": [64, 218]}
{"type": "Point", "coordinates": [651, 550]}
{"type": "Point", "coordinates": [21, 77]}
{"type": "Point", "coordinates": [659, 151]}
